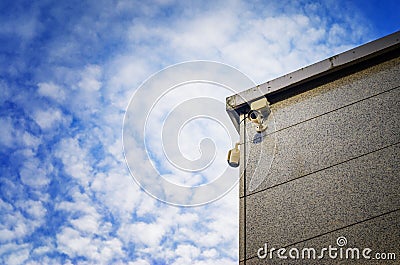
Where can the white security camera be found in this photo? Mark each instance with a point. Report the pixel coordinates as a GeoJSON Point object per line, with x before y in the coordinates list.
{"type": "Point", "coordinates": [234, 156]}
{"type": "Point", "coordinates": [259, 114]}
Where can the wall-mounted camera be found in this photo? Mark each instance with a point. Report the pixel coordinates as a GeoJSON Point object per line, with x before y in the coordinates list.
{"type": "Point", "coordinates": [259, 112]}
{"type": "Point", "coordinates": [234, 156]}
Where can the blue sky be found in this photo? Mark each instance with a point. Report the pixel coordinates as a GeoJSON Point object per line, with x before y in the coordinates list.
{"type": "Point", "coordinates": [67, 71]}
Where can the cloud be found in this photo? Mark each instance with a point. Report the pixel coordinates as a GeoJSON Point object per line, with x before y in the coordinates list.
{"type": "Point", "coordinates": [51, 90]}
{"type": "Point", "coordinates": [19, 255]}
{"type": "Point", "coordinates": [74, 159]}
{"type": "Point", "coordinates": [7, 132]}
{"type": "Point", "coordinates": [186, 253]}
{"type": "Point", "coordinates": [76, 245]}
{"type": "Point", "coordinates": [30, 140]}
{"type": "Point", "coordinates": [265, 45]}
{"type": "Point", "coordinates": [149, 234]}
{"type": "Point", "coordinates": [21, 220]}
{"type": "Point", "coordinates": [13, 136]}
{"type": "Point", "coordinates": [33, 174]}
{"type": "Point", "coordinates": [139, 262]}
{"type": "Point", "coordinates": [86, 223]}
{"type": "Point", "coordinates": [49, 118]}
{"type": "Point", "coordinates": [90, 78]}
{"type": "Point", "coordinates": [86, 234]}
{"type": "Point", "coordinates": [70, 242]}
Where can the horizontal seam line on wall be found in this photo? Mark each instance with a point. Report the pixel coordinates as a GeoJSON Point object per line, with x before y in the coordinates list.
{"type": "Point", "coordinates": [335, 230]}
{"type": "Point", "coordinates": [319, 170]}
{"type": "Point", "coordinates": [320, 115]}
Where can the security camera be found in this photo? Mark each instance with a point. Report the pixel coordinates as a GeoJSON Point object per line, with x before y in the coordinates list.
{"type": "Point", "coordinates": [259, 114]}
{"type": "Point", "coordinates": [234, 156]}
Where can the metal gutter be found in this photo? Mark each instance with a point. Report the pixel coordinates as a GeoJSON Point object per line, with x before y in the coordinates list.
{"type": "Point", "coordinates": [239, 103]}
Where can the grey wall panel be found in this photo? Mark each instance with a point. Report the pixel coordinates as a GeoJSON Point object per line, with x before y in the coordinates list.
{"type": "Point", "coordinates": [324, 201]}
{"type": "Point", "coordinates": [241, 229]}
{"type": "Point", "coordinates": [337, 94]}
{"type": "Point", "coordinates": [241, 191]}
{"type": "Point", "coordinates": [242, 168]}
{"type": "Point", "coordinates": [324, 141]}
{"type": "Point", "coordinates": [381, 235]}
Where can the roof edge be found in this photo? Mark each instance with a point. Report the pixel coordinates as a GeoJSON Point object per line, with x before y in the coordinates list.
{"type": "Point", "coordinates": [238, 102]}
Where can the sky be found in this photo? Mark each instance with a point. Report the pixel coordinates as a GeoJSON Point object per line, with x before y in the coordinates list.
{"type": "Point", "coordinates": [68, 72]}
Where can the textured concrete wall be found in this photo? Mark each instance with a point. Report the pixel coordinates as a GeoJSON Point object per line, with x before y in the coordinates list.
{"type": "Point", "coordinates": [327, 166]}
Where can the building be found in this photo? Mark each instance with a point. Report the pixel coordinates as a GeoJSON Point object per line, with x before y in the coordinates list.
{"type": "Point", "coordinates": [325, 173]}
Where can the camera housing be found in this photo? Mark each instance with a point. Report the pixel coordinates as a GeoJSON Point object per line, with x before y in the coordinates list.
{"type": "Point", "coordinates": [259, 112]}
{"type": "Point", "coordinates": [234, 156]}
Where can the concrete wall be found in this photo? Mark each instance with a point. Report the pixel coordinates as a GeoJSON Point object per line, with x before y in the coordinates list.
{"type": "Point", "coordinates": [327, 166]}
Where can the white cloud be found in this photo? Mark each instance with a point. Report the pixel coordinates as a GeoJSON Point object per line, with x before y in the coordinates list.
{"type": "Point", "coordinates": [48, 118]}
{"type": "Point", "coordinates": [125, 73]}
{"type": "Point", "coordinates": [149, 234]}
{"type": "Point", "coordinates": [40, 251]}
{"type": "Point", "coordinates": [75, 244]}
{"type": "Point", "coordinates": [7, 132]}
{"type": "Point", "coordinates": [35, 209]}
{"type": "Point", "coordinates": [187, 252]}
{"type": "Point", "coordinates": [34, 174]}
{"type": "Point", "coordinates": [30, 141]}
{"type": "Point", "coordinates": [14, 225]}
{"type": "Point", "coordinates": [70, 242]}
{"type": "Point", "coordinates": [210, 253]}
{"type": "Point", "coordinates": [12, 136]}
{"type": "Point", "coordinates": [86, 223]}
{"type": "Point", "coordinates": [75, 160]}
{"type": "Point", "coordinates": [263, 43]}
{"type": "Point", "coordinates": [51, 90]}
{"type": "Point", "coordinates": [90, 78]}
{"type": "Point", "coordinates": [18, 257]}
{"type": "Point", "coordinates": [139, 262]}
{"type": "Point", "coordinates": [86, 234]}
{"type": "Point", "coordinates": [81, 203]}
{"type": "Point", "coordinates": [5, 207]}
{"type": "Point", "coordinates": [119, 193]}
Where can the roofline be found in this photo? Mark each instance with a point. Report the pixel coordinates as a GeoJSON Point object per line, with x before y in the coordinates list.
{"type": "Point", "coordinates": [236, 104]}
